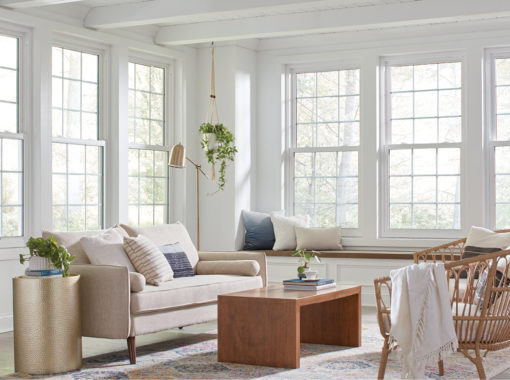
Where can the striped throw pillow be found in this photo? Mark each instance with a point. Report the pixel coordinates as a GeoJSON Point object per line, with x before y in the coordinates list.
{"type": "Point", "coordinates": [148, 259]}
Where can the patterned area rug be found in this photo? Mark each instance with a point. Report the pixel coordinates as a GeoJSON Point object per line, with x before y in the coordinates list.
{"type": "Point", "coordinates": [194, 357]}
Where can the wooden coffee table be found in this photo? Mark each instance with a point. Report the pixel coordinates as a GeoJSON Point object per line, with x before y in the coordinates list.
{"type": "Point", "coordinates": [266, 326]}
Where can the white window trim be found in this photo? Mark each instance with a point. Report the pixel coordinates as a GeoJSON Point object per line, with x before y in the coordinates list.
{"type": "Point", "coordinates": [384, 135]}
{"type": "Point", "coordinates": [290, 135]}
{"type": "Point", "coordinates": [24, 36]}
{"type": "Point", "coordinates": [88, 47]}
{"type": "Point", "coordinates": [169, 66]}
{"type": "Point", "coordinates": [490, 110]}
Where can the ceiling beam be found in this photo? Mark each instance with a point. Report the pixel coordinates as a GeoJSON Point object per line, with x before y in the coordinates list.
{"type": "Point", "coordinates": [18, 4]}
{"type": "Point", "coordinates": [170, 12]}
{"type": "Point", "coordinates": [328, 21]}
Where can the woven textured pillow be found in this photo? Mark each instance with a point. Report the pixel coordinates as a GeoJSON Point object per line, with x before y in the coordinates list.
{"type": "Point", "coordinates": [148, 259]}
{"type": "Point", "coordinates": [178, 260]}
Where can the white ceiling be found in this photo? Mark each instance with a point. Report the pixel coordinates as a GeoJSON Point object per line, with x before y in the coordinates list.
{"type": "Point", "coordinates": [184, 22]}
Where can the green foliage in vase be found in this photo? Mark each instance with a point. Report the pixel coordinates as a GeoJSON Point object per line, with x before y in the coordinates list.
{"type": "Point", "coordinates": [50, 249]}
{"type": "Point", "coordinates": [224, 151]}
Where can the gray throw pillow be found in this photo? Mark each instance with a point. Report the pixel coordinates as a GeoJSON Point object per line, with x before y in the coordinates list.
{"type": "Point", "coordinates": [259, 231]}
{"type": "Point", "coordinates": [178, 260]}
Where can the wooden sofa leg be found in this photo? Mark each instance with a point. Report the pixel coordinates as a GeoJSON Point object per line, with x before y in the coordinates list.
{"type": "Point", "coordinates": [132, 349]}
{"type": "Point", "coordinates": [441, 368]}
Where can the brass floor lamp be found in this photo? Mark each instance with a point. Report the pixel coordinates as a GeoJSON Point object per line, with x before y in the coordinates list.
{"type": "Point", "coordinates": [178, 160]}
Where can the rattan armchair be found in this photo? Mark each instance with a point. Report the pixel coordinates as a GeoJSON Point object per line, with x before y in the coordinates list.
{"type": "Point", "coordinates": [481, 323]}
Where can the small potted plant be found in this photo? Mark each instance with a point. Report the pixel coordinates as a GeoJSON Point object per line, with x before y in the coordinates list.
{"type": "Point", "coordinates": [305, 257]}
{"type": "Point", "coordinates": [50, 251]}
{"type": "Point", "coordinates": [218, 143]}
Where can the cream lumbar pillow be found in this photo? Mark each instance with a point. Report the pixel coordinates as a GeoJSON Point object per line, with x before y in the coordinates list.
{"type": "Point", "coordinates": [106, 249]}
{"type": "Point", "coordinates": [148, 260]}
{"type": "Point", "coordinates": [284, 233]}
{"type": "Point", "coordinates": [319, 238]}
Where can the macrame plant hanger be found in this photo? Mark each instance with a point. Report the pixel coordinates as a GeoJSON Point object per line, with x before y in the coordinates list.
{"type": "Point", "coordinates": [212, 112]}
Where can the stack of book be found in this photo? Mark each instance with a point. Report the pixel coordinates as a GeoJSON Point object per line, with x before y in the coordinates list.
{"type": "Point", "coordinates": [44, 273]}
{"type": "Point", "coordinates": [319, 284]}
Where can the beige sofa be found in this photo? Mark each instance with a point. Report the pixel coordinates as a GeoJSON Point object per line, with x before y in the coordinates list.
{"type": "Point", "coordinates": [117, 304]}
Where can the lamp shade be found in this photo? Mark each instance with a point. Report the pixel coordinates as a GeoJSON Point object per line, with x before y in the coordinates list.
{"type": "Point", "coordinates": [177, 156]}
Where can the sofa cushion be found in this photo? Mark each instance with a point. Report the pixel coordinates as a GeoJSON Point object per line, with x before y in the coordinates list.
{"type": "Point", "coordinates": [106, 249]}
{"type": "Point", "coordinates": [237, 267]}
{"type": "Point", "coordinates": [71, 240]}
{"type": "Point", "coordinates": [148, 260]}
{"type": "Point", "coordinates": [186, 291]}
{"type": "Point", "coordinates": [165, 234]}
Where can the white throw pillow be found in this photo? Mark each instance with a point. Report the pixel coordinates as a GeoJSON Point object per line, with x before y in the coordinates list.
{"type": "Point", "coordinates": [284, 233]}
{"type": "Point", "coordinates": [319, 238]}
{"type": "Point", "coordinates": [484, 238]}
{"type": "Point", "coordinates": [148, 259]}
{"type": "Point", "coordinates": [106, 249]}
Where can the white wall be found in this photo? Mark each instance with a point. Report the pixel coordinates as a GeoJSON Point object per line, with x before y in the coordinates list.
{"type": "Point", "coordinates": [235, 69]}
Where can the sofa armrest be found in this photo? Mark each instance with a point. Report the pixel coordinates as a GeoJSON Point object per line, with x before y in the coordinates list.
{"type": "Point", "coordinates": [105, 300]}
{"type": "Point", "coordinates": [258, 256]}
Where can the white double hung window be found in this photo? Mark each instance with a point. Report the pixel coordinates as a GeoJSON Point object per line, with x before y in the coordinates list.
{"type": "Point", "coordinates": [148, 150]}
{"type": "Point", "coordinates": [324, 147]}
{"type": "Point", "coordinates": [11, 139]}
{"type": "Point", "coordinates": [421, 146]}
{"type": "Point", "coordinates": [498, 64]}
{"type": "Point", "coordinates": [77, 149]}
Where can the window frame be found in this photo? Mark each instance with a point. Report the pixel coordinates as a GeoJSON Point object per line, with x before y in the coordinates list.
{"type": "Point", "coordinates": [24, 85]}
{"type": "Point", "coordinates": [384, 131]}
{"type": "Point", "coordinates": [168, 106]}
{"type": "Point", "coordinates": [291, 136]}
{"type": "Point", "coordinates": [101, 51]}
{"type": "Point", "coordinates": [490, 136]}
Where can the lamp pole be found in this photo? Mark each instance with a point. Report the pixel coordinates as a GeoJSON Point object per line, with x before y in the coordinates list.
{"type": "Point", "coordinates": [199, 170]}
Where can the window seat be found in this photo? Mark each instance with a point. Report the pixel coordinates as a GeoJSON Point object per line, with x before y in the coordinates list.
{"type": "Point", "coordinates": [352, 254]}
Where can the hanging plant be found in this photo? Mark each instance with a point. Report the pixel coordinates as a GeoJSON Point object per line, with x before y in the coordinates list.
{"type": "Point", "coordinates": [218, 143]}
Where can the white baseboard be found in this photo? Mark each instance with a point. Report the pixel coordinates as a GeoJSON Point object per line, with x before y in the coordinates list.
{"type": "Point", "coordinates": [6, 323]}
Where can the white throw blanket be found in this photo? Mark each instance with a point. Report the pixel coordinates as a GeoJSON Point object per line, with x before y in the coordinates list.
{"type": "Point", "coordinates": [421, 317]}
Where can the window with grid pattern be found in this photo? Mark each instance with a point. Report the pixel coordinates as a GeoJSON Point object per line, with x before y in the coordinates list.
{"type": "Point", "coordinates": [148, 152]}
{"type": "Point", "coordinates": [77, 152]}
{"type": "Point", "coordinates": [11, 141]}
{"type": "Point", "coordinates": [325, 147]}
{"type": "Point", "coordinates": [422, 145]}
{"type": "Point", "coordinates": [500, 141]}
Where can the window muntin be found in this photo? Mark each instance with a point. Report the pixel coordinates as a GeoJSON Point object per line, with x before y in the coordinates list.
{"type": "Point", "coordinates": [146, 104]}
{"type": "Point", "coordinates": [500, 141]}
{"type": "Point", "coordinates": [77, 152]}
{"type": "Point", "coordinates": [148, 187]}
{"type": "Point", "coordinates": [75, 94]}
{"type": "Point", "coordinates": [325, 147]}
{"type": "Point", "coordinates": [11, 141]}
{"type": "Point", "coordinates": [77, 182]}
{"type": "Point", "coordinates": [148, 151]}
{"type": "Point", "coordinates": [423, 145]}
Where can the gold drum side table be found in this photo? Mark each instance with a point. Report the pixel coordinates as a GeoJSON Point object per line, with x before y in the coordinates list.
{"type": "Point", "coordinates": [47, 324]}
